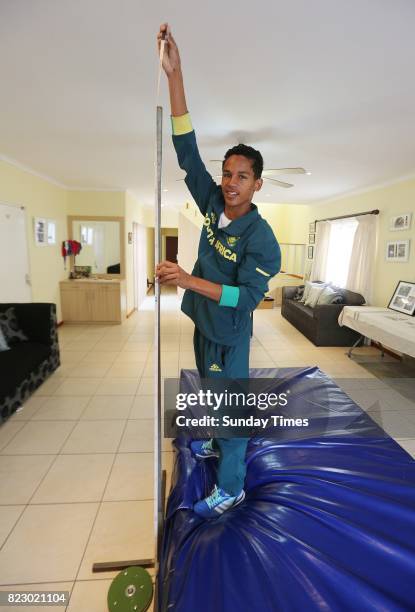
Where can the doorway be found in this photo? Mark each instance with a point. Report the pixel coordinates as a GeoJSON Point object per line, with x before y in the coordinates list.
{"type": "Point", "coordinates": [139, 263]}
{"type": "Point", "coordinates": [171, 248]}
{"type": "Point", "coordinates": [14, 257]}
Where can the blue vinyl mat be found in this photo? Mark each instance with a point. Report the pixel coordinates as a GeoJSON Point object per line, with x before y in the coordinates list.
{"type": "Point", "coordinates": [328, 523]}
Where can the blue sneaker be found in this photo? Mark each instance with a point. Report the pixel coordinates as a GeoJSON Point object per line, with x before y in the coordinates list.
{"type": "Point", "coordinates": [204, 449]}
{"type": "Point", "coordinates": [218, 502]}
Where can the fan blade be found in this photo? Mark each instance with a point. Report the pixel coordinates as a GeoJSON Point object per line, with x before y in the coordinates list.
{"type": "Point", "coordinates": [278, 171]}
{"type": "Point", "coordinates": [279, 183]}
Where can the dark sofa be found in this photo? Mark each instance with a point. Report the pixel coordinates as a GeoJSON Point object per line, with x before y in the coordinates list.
{"type": "Point", "coordinates": [28, 363]}
{"type": "Point", "coordinates": [320, 324]}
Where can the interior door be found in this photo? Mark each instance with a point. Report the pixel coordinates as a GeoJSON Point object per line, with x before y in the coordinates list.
{"type": "Point", "coordinates": [14, 259]}
{"type": "Point", "coordinates": [171, 248]}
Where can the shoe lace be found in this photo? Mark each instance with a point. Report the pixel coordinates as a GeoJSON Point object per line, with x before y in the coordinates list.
{"type": "Point", "coordinates": [214, 497]}
{"type": "Point", "coordinates": [207, 445]}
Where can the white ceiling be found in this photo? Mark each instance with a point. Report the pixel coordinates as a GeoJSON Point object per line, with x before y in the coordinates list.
{"type": "Point", "coordinates": [325, 84]}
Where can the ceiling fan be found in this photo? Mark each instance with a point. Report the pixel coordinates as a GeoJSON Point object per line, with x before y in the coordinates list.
{"type": "Point", "coordinates": [269, 172]}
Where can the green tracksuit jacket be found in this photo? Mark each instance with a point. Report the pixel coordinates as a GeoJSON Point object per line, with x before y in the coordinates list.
{"type": "Point", "coordinates": [241, 257]}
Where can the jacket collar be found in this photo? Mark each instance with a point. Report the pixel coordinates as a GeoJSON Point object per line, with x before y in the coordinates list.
{"type": "Point", "coordinates": [238, 226]}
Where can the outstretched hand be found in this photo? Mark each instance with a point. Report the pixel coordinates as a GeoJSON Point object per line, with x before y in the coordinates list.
{"type": "Point", "coordinates": [170, 273]}
{"type": "Point", "coordinates": [171, 57]}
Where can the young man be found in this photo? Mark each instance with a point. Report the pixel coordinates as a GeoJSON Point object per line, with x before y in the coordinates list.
{"type": "Point", "coordinates": [238, 254]}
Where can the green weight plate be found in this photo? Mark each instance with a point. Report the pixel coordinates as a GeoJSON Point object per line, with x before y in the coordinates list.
{"type": "Point", "coordinates": [130, 591]}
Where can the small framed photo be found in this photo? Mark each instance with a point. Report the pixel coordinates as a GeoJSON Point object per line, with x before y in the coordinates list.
{"type": "Point", "coordinates": [397, 251]}
{"type": "Point", "coordinates": [312, 227]}
{"type": "Point", "coordinates": [45, 231]}
{"type": "Point", "coordinates": [403, 299]}
{"type": "Point", "coordinates": [311, 238]}
{"type": "Point", "coordinates": [40, 232]}
{"type": "Point", "coordinates": [401, 222]}
{"type": "Point", "coordinates": [310, 252]}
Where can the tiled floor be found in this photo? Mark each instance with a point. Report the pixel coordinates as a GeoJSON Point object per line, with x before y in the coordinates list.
{"type": "Point", "coordinates": [76, 464]}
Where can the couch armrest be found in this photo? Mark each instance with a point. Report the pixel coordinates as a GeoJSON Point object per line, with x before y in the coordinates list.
{"type": "Point", "coordinates": [289, 292]}
{"type": "Point", "coordinates": [328, 313]}
{"type": "Point", "coordinates": [37, 320]}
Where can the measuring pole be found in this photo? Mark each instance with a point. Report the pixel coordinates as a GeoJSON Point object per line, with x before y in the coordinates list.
{"type": "Point", "coordinates": [158, 468]}
{"type": "Point", "coordinates": [158, 508]}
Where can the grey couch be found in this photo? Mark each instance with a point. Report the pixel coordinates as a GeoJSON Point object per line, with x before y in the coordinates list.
{"type": "Point", "coordinates": [320, 324]}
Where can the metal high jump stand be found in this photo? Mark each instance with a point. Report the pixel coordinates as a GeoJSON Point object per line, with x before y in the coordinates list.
{"type": "Point", "coordinates": [132, 589]}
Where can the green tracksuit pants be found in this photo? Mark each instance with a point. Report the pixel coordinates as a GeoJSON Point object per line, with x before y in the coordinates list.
{"type": "Point", "coordinates": [216, 360]}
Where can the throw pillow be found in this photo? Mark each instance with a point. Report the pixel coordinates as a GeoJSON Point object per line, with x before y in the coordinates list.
{"type": "Point", "coordinates": [313, 295]}
{"type": "Point", "coordinates": [307, 288]}
{"type": "Point", "coordinates": [3, 344]}
{"type": "Point", "coordinates": [330, 296]}
{"type": "Point", "coordinates": [10, 326]}
{"type": "Point", "coordinates": [299, 293]}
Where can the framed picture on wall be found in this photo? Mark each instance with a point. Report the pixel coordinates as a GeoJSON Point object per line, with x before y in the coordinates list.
{"type": "Point", "coordinates": [40, 231]}
{"type": "Point", "coordinates": [401, 222]}
{"type": "Point", "coordinates": [312, 227]}
{"type": "Point", "coordinates": [397, 251]}
{"type": "Point", "coordinates": [403, 299]}
{"type": "Point", "coordinates": [311, 238]}
{"type": "Point", "coordinates": [45, 231]}
{"type": "Point", "coordinates": [310, 252]}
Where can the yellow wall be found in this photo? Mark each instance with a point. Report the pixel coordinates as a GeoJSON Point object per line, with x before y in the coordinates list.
{"type": "Point", "coordinates": [288, 221]}
{"type": "Point", "coordinates": [40, 199]}
{"type": "Point", "coordinates": [391, 201]}
{"type": "Point", "coordinates": [99, 203]}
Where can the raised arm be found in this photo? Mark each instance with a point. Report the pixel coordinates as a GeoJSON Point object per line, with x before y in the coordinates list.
{"type": "Point", "coordinates": [198, 180]}
{"type": "Point", "coordinates": [173, 69]}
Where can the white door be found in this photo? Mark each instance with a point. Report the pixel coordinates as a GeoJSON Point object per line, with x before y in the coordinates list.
{"type": "Point", "coordinates": [14, 259]}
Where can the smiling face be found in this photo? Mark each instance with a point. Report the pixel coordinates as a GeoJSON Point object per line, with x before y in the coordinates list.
{"type": "Point", "coordinates": [238, 185]}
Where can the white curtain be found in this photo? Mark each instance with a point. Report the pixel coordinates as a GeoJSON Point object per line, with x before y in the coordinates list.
{"type": "Point", "coordinates": [321, 249]}
{"type": "Point", "coordinates": [342, 232]}
{"type": "Point", "coordinates": [362, 261]}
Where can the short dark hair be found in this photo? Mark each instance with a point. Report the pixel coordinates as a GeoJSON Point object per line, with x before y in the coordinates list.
{"type": "Point", "coordinates": [250, 153]}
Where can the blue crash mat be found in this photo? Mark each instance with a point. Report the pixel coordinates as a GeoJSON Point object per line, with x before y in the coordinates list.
{"type": "Point", "coordinates": [328, 523]}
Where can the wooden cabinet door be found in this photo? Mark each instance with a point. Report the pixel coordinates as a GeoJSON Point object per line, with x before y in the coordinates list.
{"type": "Point", "coordinates": [75, 304]}
{"type": "Point", "coordinates": [105, 302]}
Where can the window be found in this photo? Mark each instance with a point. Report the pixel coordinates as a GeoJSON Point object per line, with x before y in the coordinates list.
{"type": "Point", "coordinates": [87, 235]}
{"type": "Point", "coordinates": [340, 250]}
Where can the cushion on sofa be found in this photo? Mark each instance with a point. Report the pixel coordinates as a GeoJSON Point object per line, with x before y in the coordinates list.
{"type": "Point", "coordinates": [330, 295]}
{"type": "Point", "coordinates": [299, 293]}
{"type": "Point", "coordinates": [17, 364]}
{"type": "Point", "coordinates": [307, 288]}
{"type": "Point", "coordinates": [3, 342]}
{"type": "Point", "coordinates": [10, 327]}
{"type": "Point", "coordinates": [313, 296]}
